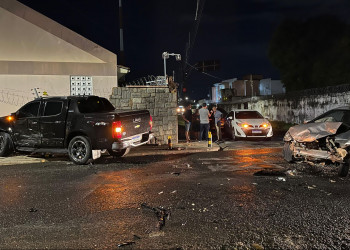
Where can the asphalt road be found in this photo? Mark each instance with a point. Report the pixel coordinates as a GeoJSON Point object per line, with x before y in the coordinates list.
{"type": "Point", "coordinates": [198, 200]}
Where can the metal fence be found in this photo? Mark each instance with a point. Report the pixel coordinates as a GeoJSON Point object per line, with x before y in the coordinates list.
{"type": "Point", "coordinates": [147, 81]}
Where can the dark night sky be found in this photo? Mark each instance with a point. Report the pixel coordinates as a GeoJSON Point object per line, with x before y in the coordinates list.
{"type": "Point", "coordinates": [237, 32]}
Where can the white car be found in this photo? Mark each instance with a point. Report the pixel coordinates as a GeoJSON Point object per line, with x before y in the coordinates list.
{"type": "Point", "coordinates": [244, 123]}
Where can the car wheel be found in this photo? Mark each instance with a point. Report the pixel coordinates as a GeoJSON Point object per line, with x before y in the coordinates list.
{"type": "Point", "coordinates": [119, 153]}
{"type": "Point", "coordinates": [344, 168]}
{"type": "Point", "coordinates": [79, 150]}
{"type": "Point", "coordinates": [233, 134]}
{"type": "Point", "coordinates": [288, 152]}
{"type": "Point", "coordinates": [6, 146]}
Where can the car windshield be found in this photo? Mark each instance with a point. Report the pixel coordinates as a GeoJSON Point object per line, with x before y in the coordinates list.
{"type": "Point", "coordinates": [94, 104]}
{"type": "Point", "coordinates": [248, 115]}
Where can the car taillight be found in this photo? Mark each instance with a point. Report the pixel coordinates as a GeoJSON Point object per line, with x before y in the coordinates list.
{"type": "Point", "coordinates": [117, 130]}
{"type": "Point", "coordinates": [150, 122]}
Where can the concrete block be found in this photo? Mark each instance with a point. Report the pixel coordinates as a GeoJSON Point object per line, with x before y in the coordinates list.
{"type": "Point", "coordinates": [136, 100]}
{"type": "Point", "coordinates": [135, 95]}
{"type": "Point", "coordinates": [162, 90]}
{"type": "Point", "coordinates": [141, 106]}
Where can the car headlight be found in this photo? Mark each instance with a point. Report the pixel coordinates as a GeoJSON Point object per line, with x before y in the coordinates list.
{"type": "Point", "coordinates": [265, 125]}
{"type": "Point", "coordinates": [243, 125]}
{"type": "Point", "coordinates": [178, 110]}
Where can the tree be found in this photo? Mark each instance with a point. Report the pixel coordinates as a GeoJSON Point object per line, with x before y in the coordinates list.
{"type": "Point", "coordinates": [312, 53]}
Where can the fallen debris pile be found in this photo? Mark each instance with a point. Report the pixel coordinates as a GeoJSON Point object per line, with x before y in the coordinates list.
{"type": "Point", "coordinates": [161, 213]}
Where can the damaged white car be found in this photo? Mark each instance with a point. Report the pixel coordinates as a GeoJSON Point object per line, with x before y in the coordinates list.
{"type": "Point", "coordinates": [323, 139]}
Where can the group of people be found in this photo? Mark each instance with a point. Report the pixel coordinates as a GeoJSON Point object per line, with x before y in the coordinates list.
{"type": "Point", "coordinates": [201, 117]}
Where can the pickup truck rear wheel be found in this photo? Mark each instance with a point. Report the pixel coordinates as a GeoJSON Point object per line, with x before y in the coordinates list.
{"type": "Point", "coordinates": [6, 146]}
{"type": "Point", "coordinates": [119, 153]}
{"type": "Point", "coordinates": [79, 150]}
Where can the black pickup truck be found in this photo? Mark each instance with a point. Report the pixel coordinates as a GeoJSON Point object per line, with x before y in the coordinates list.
{"type": "Point", "coordinates": [76, 125]}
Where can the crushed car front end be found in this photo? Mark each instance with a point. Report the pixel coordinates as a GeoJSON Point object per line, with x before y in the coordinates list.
{"type": "Point", "coordinates": [319, 142]}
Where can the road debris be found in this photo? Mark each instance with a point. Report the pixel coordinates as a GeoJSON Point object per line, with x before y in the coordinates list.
{"type": "Point", "coordinates": [311, 187]}
{"type": "Point", "coordinates": [332, 181]}
{"type": "Point", "coordinates": [291, 172]}
{"type": "Point", "coordinates": [173, 192]}
{"type": "Point", "coordinates": [161, 192]}
{"type": "Point", "coordinates": [156, 234]}
{"type": "Point", "coordinates": [257, 246]}
{"type": "Point", "coordinates": [221, 148]}
{"type": "Point", "coordinates": [160, 212]}
{"type": "Point", "coordinates": [128, 243]}
{"type": "Point", "coordinates": [188, 165]}
{"type": "Point", "coordinates": [269, 172]}
{"type": "Point", "coordinates": [136, 237]}
{"type": "Point", "coordinates": [281, 179]}
{"type": "Point", "coordinates": [33, 210]}
{"type": "Point", "coordinates": [176, 173]}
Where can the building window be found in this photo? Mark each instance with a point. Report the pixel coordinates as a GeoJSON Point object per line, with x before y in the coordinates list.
{"type": "Point", "coordinates": [81, 85]}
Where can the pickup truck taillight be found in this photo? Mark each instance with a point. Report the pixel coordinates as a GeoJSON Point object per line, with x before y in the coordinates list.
{"type": "Point", "coordinates": [117, 130]}
{"type": "Point", "coordinates": [150, 122]}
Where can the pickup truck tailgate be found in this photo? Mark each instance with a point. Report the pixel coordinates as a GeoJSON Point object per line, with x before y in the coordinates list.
{"type": "Point", "coordinates": [134, 122]}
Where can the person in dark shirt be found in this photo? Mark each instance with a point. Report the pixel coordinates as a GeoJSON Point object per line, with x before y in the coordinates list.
{"type": "Point", "coordinates": [187, 116]}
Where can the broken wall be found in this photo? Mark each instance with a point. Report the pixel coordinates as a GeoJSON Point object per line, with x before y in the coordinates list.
{"type": "Point", "coordinates": [298, 106]}
{"type": "Point", "coordinates": [160, 103]}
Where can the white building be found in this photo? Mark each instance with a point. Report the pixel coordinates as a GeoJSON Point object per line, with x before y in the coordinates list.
{"type": "Point", "coordinates": [271, 87]}
{"type": "Point", "coordinates": [37, 52]}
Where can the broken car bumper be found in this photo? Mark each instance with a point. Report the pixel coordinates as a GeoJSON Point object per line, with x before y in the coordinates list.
{"type": "Point", "coordinates": [133, 141]}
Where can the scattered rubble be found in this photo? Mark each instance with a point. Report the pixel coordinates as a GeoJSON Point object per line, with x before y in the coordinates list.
{"type": "Point", "coordinates": [128, 243]}
{"type": "Point", "coordinates": [161, 213]}
{"type": "Point", "coordinates": [33, 210]}
{"type": "Point", "coordinates": [281, 179]}
{"type": "Point", "coordinates": [270, 172]}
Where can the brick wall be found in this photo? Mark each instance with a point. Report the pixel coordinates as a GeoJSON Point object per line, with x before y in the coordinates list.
{"type": "Point", "coordinates": [158, 101]}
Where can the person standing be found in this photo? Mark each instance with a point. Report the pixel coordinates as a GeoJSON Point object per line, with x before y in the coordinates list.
{"type": "Point", "coordinates": [217, 116]}
{"type": "Point", "coordinates": [204, 122]}
{"type": "Point", "coordinates": [187, 116]}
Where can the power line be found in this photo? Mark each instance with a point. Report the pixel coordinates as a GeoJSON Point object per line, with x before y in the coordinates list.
{"type": "Point", "coordinates": [204, 72]}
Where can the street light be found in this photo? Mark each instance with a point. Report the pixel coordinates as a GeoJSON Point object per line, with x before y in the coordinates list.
{"type": "Point", "coordinates": [165, 56]}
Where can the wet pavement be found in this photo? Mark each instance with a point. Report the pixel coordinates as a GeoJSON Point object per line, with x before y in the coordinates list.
{"type": "Point", "coordinates": [243, 197]}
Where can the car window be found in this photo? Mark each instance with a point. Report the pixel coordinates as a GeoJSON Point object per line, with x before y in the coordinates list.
{"type": "Point", "coordinates": [334, 116]}
{"type": "Point", "coordinates": [248, 115]}
{"type": "Point", "coordinates": [94, 104]}
{"type": "Point", "coordinates": [29, 110]}
{"type": "Point", "coordinates": [53, 108]}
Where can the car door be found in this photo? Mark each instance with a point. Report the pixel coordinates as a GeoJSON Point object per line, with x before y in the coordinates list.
{"type": "Point", "coordinates": [53, 123]}
{"type": "Point", "coordinates": [26, 129]}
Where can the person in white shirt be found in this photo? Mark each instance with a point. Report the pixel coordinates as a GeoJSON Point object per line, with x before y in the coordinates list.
{"type": "Point", "coordinates": [204, 122]}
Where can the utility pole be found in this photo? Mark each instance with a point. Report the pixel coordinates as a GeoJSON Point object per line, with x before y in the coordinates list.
{"type": "Point", "coordinates": [122, 56]}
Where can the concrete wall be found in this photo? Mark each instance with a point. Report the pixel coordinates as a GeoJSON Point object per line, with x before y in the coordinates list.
{"type": "Point", "coordinates": [16, 90]}
{"type": "Point", "coordinates": [160, 103]}
{"type": "Point", "coordinates": [295, 108]}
